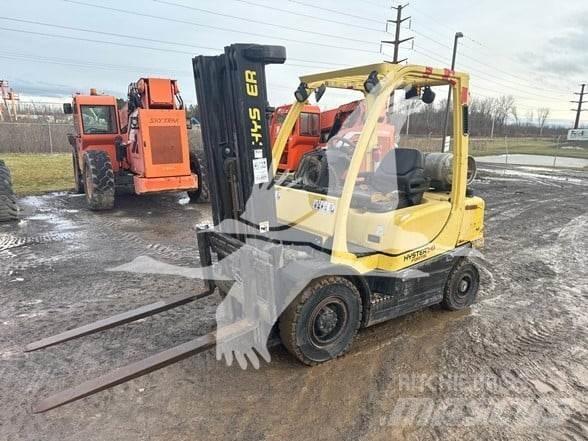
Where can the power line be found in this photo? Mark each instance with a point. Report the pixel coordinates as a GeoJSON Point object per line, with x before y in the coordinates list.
{"type": "Point", "coordinates": [119, 44]}
{"type": "Point", "coordinates": [265, 23]}
{"type": "Point", "coordinates": [217, 28]}
{"type": "Point", "coordinates": [516, 95]}
{"type": "Point", "coordinates": [504, 83]}
{"type": "Point", "coordinates": [494, 68]}
{"type": "Point", "coordinates": [334, 11]}
{"type": "Point", "coordinates": [492, 52]}
{"type": "Point", "coordinates": [435, 22]}
{"type": "Point", "coordinates": [314, 17]}
{"type": "Point", "coordinates": [110, 34]}
{"type": "Point", "coordinates": [36, 59]}
{"type": "Point", "coordinates": [80, 63]}
{"type": "Point", "coordinates": [443, 45]}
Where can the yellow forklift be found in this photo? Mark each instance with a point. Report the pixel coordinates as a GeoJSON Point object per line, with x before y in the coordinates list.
{"type": "Point", "coordinates": [349, 241]}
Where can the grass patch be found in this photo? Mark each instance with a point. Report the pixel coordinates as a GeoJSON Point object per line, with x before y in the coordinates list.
{"type": "Point", "coordinates": [499, 146]}
{"type": "Point", "coordinates": [528, 146]}
{"type": "Point", "coordinates": [39, 173]}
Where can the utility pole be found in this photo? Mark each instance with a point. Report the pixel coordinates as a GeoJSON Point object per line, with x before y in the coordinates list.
{"type": "Point", "coordinates": [458, 35]}
{"type": "Point", "coordinates": [580, 103]}
{"type": "Point", "coordinates": [397, 41]}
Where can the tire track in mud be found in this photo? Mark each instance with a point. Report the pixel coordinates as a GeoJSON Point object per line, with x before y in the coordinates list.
{"type": "Point", "coordinates": [9, 241]}
{"type": "Point", "coordinates": [176, 254]}
{"type": "Point", "coordinates": [576, 427]}
{"type": "Point", "coordinates": [540, 260]}
{"type": "Point", "coordinates": [20, 253]}
{"type": "Point", "coordinates": [524, 207]}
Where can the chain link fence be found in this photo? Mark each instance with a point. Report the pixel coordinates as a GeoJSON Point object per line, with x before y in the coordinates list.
{"type": "Point", "coordinates": [51, 137]}
{"type": "Point", "coordinates": [25, 137]}
{"type": "Point", "coordinates": [48, 137]}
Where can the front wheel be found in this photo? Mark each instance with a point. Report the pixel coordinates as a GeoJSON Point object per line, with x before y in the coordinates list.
{"type": "Point", "coordinates": [321, 323]}
{"type": "Point", "coordinates": [8, 207]}
{"type": "Point", "coordinates": [461, 288]}
{"type": "Point", "coordinates": [99, 182]}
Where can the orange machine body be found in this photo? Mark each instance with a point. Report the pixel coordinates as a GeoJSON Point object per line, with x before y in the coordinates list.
{"type": "Point", "coordinates": [152, 128]}
{"type": "Point", "coordinates": [85, 139]}
{"type": "Point", "coordinates": [305, 136]}
{"type": "Point", "coordinates": [313, 129]}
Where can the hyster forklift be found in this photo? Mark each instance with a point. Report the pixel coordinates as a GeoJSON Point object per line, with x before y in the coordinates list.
{"type": "Point", "coordinates": [312, 261]}
{"type": "Point", "coordinates": [142, 148]}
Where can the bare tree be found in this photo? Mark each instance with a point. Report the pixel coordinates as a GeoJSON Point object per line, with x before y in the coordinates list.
{"type": "Point", "coordinates": [515, 114]}
{"type": "Point", "coordinates": [542, 115]}
{"type": "Point", "coordinates": [530, 117]}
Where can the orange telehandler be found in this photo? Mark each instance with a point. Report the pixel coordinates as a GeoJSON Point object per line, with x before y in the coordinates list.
{"type": "Point", "coordinates": [316, 129]}
{"type": "Point", "coordinates": [142, 148]}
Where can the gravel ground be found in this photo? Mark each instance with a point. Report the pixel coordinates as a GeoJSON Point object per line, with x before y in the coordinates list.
{"type": "Point", "coordinates": [512, 367]}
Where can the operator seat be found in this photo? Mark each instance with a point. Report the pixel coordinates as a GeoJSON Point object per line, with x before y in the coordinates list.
{"type": "Point", "coordinates": [399, 181]}
{"type": "Point", "coordinates": [402, 170]}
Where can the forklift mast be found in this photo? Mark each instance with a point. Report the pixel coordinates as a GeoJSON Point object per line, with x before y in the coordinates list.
{"type": "Point", "coordinates": [232, 97]}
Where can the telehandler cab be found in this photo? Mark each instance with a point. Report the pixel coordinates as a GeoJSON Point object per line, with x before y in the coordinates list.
{"type": "Point", "coordinates": [312, 261]}
{"type": "Point", "coordinates": [141, 148]}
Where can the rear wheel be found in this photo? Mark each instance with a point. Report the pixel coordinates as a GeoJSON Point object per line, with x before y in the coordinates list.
{"type": "Point", "coordinates": [8, 207]}
{"type": "Point", "coordinates": [462, 286]}
{"type": "Point", "coordinates": [78, 176]}
{"type": "Point", "coordinates": [99, 182]}
{"type": "Point", "coordinates": [322, 322]}
{"type": "Point", "coordinates": [198, 167]}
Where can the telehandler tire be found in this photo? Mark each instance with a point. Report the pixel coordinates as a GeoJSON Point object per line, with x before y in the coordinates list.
{"type": "Point", "coordinates": [462, 286]}
{"type": "Point", "coordinates": [78, 175]}
{"type": "Point", "coordinates": [322, 322]}
{"type": "Point", "coordinates": [199, 168]}
{"type": "Point", "coordinates": [8, 206]}
{"type": "Point", "coordinates": [99, 184]}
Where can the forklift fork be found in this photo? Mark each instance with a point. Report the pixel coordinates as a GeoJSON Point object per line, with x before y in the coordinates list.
{"type": "Point", "coordinates": [139, 368]}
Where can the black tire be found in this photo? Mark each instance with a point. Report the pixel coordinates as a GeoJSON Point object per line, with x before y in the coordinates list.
{"type": "Point", "coordinates": [99, 184]}
{"type": "Point", "coordinates": [8, 206]}
{"type": "Point", "coordinates": [198, 167]}
{"type": "Point", "coordinates": [78, 176]}
{"type": "Point", "coordinates": [461, 288]}
{"type": "Point", "coordinates": [321, 323]}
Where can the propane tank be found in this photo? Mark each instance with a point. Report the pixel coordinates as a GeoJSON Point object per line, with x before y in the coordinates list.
{"type": "Point", "coordinates": [439, 168]}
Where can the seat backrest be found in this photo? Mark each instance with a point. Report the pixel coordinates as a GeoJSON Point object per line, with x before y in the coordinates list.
{"type": "Point", "coordinates": [400, 162]}
{"type": "Point", "coordinates": [402, 170]}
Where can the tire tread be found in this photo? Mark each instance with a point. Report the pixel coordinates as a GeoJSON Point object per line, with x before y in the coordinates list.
{"type": "Point", "coordinates": [291, 315]}
{"type": "Point", "coordinates": [8, 205]}
{"type": "Point", "coordinates": [98, 163]}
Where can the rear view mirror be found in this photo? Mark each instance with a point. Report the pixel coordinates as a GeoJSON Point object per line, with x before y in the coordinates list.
{"type": "Point", "coordinates": [372, 82]}
{"type": "Point", "coordinates": [67, 108]}
{"type": "Point", "coordinates": [428, 95]}
{"type": "Point", "coordinates": [301, 93]}
{"type": "Point", "coordinates": [413, 92]}
{"type": "Point", "coordinates": [319, 92]}
{"type": "Point", "coordinates": [189, 123]}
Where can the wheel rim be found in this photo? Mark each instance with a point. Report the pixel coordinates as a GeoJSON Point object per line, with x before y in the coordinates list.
{"type": "Point", "coordinates": [328, 321]}
{"type": "Point", "coordinates": [464, 286]}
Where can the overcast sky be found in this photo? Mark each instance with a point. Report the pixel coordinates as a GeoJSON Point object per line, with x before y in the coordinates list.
{"type": "Point", "coordinates": [533, 49]}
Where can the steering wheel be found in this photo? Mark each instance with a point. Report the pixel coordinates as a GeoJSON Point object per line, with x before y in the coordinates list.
{"type": "Point", "coordinates": [343, 144]}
